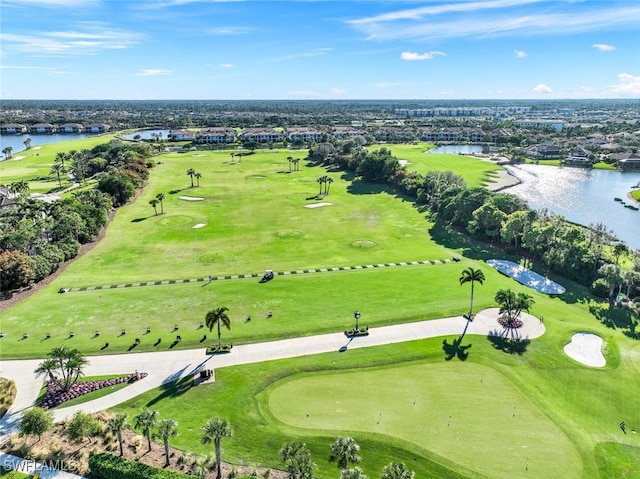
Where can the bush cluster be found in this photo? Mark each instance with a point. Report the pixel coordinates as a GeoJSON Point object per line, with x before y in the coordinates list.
{"type": "Point", "coordinates": [107, 466]}
{"type": "Point", "coordinates": [56, 394]}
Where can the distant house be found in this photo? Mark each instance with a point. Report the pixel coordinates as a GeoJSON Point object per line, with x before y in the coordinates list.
{"type": "Point", "coordinates": [555, 124]}
{"type": "Point", "coordinates": [304, 134]}
{"type": "Point", "coordinates": [42, 128]}
{"type": "Point", "coordinates": [344, 132]}
{"type": "Point", "coordinates": [595, 139]}
{"type": "Point", "coordinates": [627, 161]}
{"type": "Point", "coordinates": [13, 129]}
{"type": "Point", "coordinates": [71, 128]}
{"type": "Point", "coordinates": [181, 135]}
{"type": "Point", "coordinates": [97, 128]}
{"type": "Point", "coordinates": [579, 157]}
{"type": "Point", "coordinates": [544, 151]}
{"type": "Point", "coordinates": [261, 135]}
{"type": "Point", "coordinates": [215, 135]}
{"type": "Point", "coordinates": [7, 199]}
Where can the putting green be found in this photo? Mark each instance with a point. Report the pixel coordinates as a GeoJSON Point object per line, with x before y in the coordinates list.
{"type": "Point", "coordinates": [501, 434]}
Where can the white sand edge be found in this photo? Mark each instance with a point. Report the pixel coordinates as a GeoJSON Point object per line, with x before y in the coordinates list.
{"type": "Point", "coordinates": [586, 348]}
{"type": "Point", "coordinates": [191, 198]}
{"type": "Point", "coordinates": [317, 205]}
{"type": "Point", "coordinates": [199, 225]}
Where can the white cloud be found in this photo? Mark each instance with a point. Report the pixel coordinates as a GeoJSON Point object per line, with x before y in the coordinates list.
{"type": "Point", "coordinates": [149, 72]}
{"type": "Point", "coordinates": [227, 65]}
{"type": "Point", "coordinates": [412, 56]}
{"type": "Point", "coordinates": [542, 88]}
{"type": "Point", "coordinates": [492, 18]}
{"type": "Point", "coordinates": [446, 92]}
{"type": "Point", "coordinates": [628, 85]}
{"type": "Point", "coordinates": [88, 39]}
{"type": "Point", "coordinates": [520, 53]}
{"type": "Point", "coordinates": [294, 56]}
{"type": "Point", "coordinates": [603, 47]}
{"type": "Point", "coordinates": [230, 30]}
{"type": "Point", "coordinates": [337, 91]}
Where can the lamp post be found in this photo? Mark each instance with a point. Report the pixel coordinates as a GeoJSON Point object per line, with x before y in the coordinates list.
{"type": "Point", "coordinates": [357, 316]}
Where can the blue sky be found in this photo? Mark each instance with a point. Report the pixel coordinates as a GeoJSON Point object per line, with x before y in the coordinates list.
{"type": "Point", "coordinates": [298, 49]}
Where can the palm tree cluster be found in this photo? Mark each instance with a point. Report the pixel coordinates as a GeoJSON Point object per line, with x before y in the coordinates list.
{"type": "Point", "coordinates": [326, 181]}
{"type": "Point", "coordinates": [191, 173]}
{"type": "Point", "coordinates": [512, 304]}
{"type": "Point", "coordinates": [67, 363]}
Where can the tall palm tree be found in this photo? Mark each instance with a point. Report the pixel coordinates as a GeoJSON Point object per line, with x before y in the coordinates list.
{"type": "Point", "coordinates": [512, 304]}
{"type": "Point", "coordinates": [472, 276]}
{"type": "Point", "coordinates": [217, 317]}
{"type": "Point", "coordinates": [116, 425]}
{"type": "Point", "coordinates": [27, 143]}
{"type": "Point", "coordinates": [154, 203]}
{"type": "Point", "coordinates": [61, 156]}
{"type": "Point", "coordinates": [320, 181]}
{"type": "Point", "coordinates": [146, 420]}
{"type": "Point", "coordinates": [329, 180]}
{"type": "Point", "coordinates": [68, 363]}
{"type": "Point", "coordinates": [198, 176]}
{"type": "Point", "coordinates": [297, 460]}
{"type": "Point", "coordinates": [345, 450]}
{"type": "Point", "coordinates": [160, 197]}
{"type": "Point", "coordinates": [57, 168]}
{"type": "Point", "coordinates": [6, 151]}
{"type": "Point", "coordinates": [190, 173]}
{"type": "Point", "coordinates": [167, 428]}
{"type": "Point", "coordinates": [296, 166]}
{"type": "Point", "coordinates": [232, 155]}
{"type": "Point", "coordinates": [214, 430]}
{"type": "Point", "coordinates": [396, 470]}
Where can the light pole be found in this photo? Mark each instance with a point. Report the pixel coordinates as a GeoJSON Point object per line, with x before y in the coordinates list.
{"type": "Point", "coordinates": [357, 316]}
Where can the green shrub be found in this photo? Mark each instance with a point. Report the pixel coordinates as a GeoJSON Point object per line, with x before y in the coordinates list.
{"type": "Point", "coordinates": [599, 288]}
{"type": "Point", "coordinates": [107, 466]}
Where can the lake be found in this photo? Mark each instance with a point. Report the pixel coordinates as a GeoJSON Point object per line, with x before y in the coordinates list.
{"type": "Point", "coordinates": [464, 149]}
{"type": "Point", "coordinates": [581, 195]}
{"type": "Point", "coordinates": [148, 134]}
{"type": "Point", "coordinates": [17, 141]}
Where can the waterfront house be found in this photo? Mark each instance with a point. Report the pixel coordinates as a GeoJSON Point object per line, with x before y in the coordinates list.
{"type": "Point", "coordinates": [578, 157]}
{"type": "Point", "coordinates": [344, 132]}
{"type": "Point", "coordinates": [42, 128]}
{"type": "Point", "coordinates": [97, 128]}
{"type": "Point", "coordinates": [544, 151]}
{"type": "Point", "coordinates": [215, 135]}
{"type": "Point", "coordinates": [627, 161]}
{"type": "Point", "coordinates": [71, 128]}
{"type": "Point", "coordinates": [304, 134]}
{"type": "Point", "coordinates": [261, 135]}
{"type": "Point", "coordinates": [181, 135]}
{"type": "Point", "coordinates": [13, 129]}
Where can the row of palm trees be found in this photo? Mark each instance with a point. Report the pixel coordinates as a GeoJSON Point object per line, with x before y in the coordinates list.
{"type": "Point", "coordinates": [295, 162]}
{"type": "Point", "coordinates": [326, 181]}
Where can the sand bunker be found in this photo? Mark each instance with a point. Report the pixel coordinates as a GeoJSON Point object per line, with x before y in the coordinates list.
{"type": "Point", "coordinates": [586, 348]}
{"type": "Point", "coordinates": [199, 225]}
{"type": "Point", "coordinates": [317, 205]}
{"type": "Point", "coordinates": [403, 162]}
{"type": "Point", "coordinates": [191, 198]}
{"type": "Point", "coordinates": [18, 157]}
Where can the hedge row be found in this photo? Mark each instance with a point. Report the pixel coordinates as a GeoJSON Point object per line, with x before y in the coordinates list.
{"type": "Point", "coordinates": [108, 466]}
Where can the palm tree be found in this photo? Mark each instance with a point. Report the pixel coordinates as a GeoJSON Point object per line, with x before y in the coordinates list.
{"type": "Point", "coordinates": [297, 459]}
{"type": "Point", "coordinates": [57, 168]}
{"type": "Point", "coordinates": [232, 155]}
{"type": "Point", "coordinates": [289, 159]}
{"type": "Point", "coordinates": [167, 428]}
{"type": "Point", "coordinates": [66, 362]}
{"type": "Point", "coordinates": [345, 450]}
{"type": "Point", "coordinates": [471, 275]}
{"type": "Point", "coordinates": [329, 180]}
{"type": "Point", "coordinates": [160, 197]}
{"type": "Point", "coordinates": [190, 173]}
{"type": "Point", "coordinates": [396, 470]}
{"type": "Point", "coordinates": [296, 166]}
{"type": "Point", "coordinates": [512, 304]}
{"type": "Point", "coordinates": [216, 317]}
{"type": "Point", "coordinates": [355, 473]}
{"type": "Point", "coordinates": [6, 151]}
{"type": "Point", "coordinates": [320, 182]}
{"type": "Point", "coordinates": [47, 368]}
{"type": "Point", "coordinates": [146, 420]}
{"type": "Point", "coordinates": [198, 176]}
{"type": "Point", "coordinates": [61, 156]}
{"type": "Point", "coordinates": [116, 425]}
{"type": "Point", "coordinates": [27, 143]}
{"type": "Point", "coordinates": [154, 203]}
{"type": "Point", "coordinates": [214, 430]}
{"type": "Point", "coordinates": [19, 188]}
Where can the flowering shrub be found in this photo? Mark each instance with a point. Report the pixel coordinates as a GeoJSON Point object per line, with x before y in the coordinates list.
{"type": "Point", "coordinates": [55, 395]}
{"type": "Point", "coordinates": [515, 324]}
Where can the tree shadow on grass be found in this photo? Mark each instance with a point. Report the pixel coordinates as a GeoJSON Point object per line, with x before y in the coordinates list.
{"type": "Point", "coordinates": [509, 345]}
{"type": "Point", "coordinates": [138, 220]}
{"type": "Point", "coordinates": [614, 317]}
{"type": "Point", "coordinates": [173, 192]}
{"type": "Point", "coordinates": [455, 350]}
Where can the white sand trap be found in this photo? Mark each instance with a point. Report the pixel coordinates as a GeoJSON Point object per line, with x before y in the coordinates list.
{"type": "Point", "coordinates": [403, 162]}
{"type": "Point", "coordinates": [317, 205]}
{"type": "Point", "coordinates": [18, 157]}
{"type": "Point", "coordinates": [199, 225]}
{"type": "Point", "coordinates": [586, 348]}
{"type": "Point", "coordinates": [191, 198]}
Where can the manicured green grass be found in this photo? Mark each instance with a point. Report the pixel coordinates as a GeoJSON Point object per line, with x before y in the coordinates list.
{"type": "Point", "coordinates": [618, 460]}
{"type": "Point", "coordinates": [34, 165]}
{"type": "Point", "coordinates": [13, 474]}
{"type": "Point", "coordinates": [476, 172]}
{"type": "Point", "coordinates": [635, 194]}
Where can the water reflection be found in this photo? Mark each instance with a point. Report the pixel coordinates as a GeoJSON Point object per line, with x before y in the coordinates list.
{"type": "Point", "coordinates": [581, 195]}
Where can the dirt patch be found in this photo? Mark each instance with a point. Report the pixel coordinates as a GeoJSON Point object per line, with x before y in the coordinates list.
{"type": "Point", "coordinates": [56, 446]}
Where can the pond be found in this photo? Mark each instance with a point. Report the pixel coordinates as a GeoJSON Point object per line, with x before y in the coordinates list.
{"type": "Point", "coordinates": [17, 141]}
{"type": "Point", "coordinates": [582, 195]}
{"type": "Point", "coordinates": [148, 134]}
